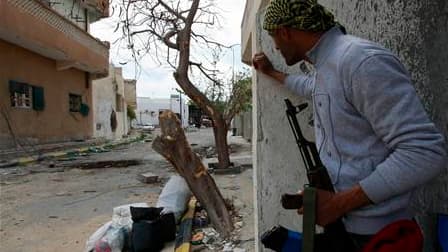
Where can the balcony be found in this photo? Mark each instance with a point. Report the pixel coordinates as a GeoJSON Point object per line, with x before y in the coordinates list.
{"type": "Point", "coordinates": [33, 25]}
{"type": "Point", "coordinates": [100, 7]}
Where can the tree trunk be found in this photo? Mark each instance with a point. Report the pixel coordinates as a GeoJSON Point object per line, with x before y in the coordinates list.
{"type": "Point", "coordinates": [222, 149]}
{"type": "Point", "coordinates": [173, 145]}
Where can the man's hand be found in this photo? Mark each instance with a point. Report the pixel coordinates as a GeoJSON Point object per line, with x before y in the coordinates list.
{"type": "Point", "coordinates": [332, 206]}
{"type": "Point", "coordinates": [261, 63]}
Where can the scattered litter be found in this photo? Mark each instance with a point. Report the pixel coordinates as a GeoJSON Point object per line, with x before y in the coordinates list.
{"type": "Point", "coordinates": [114, 235]}
{"type": "Point", "coordinates": [121, 216]}
{"type": "Point", "coordinates": [200, 220]}
{"type": "Point", "coordinates": [228, 247]}
{"type": "Point", "coordinates": [238, 224]}
{"type": "Point", "coordinates": [197, 238]}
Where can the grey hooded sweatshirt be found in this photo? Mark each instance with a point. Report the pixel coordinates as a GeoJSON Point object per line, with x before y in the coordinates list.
{"type": "Point", "coordinates": [370, 127]}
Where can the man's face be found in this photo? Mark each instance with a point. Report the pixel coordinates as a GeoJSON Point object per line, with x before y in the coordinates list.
{"type": "Point", "coordinates": [290, 51]}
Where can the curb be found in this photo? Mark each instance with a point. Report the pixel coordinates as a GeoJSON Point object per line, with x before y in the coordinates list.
{"type": "Point", "coordinates": [36, 158]}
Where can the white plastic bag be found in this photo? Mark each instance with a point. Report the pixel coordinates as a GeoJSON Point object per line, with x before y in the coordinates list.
{"type": "Point", "coordinates": [99, 233]}
{"type": "Point", "coordinates": [112, 233]}
{"type": "Point", "coordinates": [174, 197]}
{"type": "Point", "coordinates": [121, 216]}
{"type": "Point", "coordinates": [113, 240]}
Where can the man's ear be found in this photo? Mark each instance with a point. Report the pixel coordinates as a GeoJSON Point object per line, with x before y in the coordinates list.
{"type": "Point", "coordinates": [284, 33]}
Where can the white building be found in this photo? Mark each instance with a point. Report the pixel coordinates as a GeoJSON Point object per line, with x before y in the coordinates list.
{"type": "Point", "coordinates": [148, 109]}
{"type": "Point", "coordinates": [110, 120]}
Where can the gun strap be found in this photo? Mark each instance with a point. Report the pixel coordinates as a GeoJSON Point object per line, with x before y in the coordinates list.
{"type": "Point", "coordinates": [309, 218]}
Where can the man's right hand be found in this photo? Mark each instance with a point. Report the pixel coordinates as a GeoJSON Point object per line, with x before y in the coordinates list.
{"type": "Point", "coordinates": [261, 63]}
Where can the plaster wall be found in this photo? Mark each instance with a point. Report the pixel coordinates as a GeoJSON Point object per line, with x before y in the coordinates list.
{"type": "Point", "coordinates": [278, 168]}
{"type": "Point", "coordinates": [55, 123]}
{"type": "Point", "coordinates": [107, 92]}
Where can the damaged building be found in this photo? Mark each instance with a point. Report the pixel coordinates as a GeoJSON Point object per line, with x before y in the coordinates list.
{"type": "Point", "coordinates": [48, 62]}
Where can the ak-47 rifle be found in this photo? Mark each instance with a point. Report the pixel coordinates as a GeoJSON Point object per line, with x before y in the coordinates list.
{"type": "Point", "coordinates": [335, 235]}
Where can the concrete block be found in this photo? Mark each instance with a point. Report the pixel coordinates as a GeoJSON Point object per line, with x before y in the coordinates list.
{"type": "Point", "coordinates": [148, 178]}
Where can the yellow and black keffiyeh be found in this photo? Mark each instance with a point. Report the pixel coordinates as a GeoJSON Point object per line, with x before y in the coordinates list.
{"type": "Point", "coordinates": [306, 15]}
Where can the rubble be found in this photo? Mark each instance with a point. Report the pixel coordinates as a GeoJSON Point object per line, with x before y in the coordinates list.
{"type": "Point", "coordinates": [148, 178]}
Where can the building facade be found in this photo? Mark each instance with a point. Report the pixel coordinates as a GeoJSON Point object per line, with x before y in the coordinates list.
{"type": "Point", "coordinates": [48, 62]}
{"type": "Point", "coordinates": [149, 109]}
{"type": "Point", "coordinates": [416, 31]}
{"type": "Point", "coordinates": [130, 93]}
{"type": "Point", "coordinates": [110, 117]}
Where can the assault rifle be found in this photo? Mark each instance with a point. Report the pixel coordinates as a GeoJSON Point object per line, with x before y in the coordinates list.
{"type": "Point", "coordinates": [335, 237]}
{"type": "Point", "coordinates": [318, 177]}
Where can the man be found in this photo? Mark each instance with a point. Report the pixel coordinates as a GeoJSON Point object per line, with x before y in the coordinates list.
{"type": "Point", "coordinates": [372, 132]}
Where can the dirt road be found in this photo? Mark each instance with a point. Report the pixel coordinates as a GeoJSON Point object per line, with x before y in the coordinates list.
{"type": "Point", "coordinates": [54, 206]}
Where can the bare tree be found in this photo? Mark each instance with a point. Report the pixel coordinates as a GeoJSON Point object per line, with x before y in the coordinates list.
{"type": "Point", "coordinates": [175, 32]}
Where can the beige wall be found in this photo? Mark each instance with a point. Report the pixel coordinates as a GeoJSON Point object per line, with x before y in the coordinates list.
{"type": "Point", "coordinates": [55, 122]}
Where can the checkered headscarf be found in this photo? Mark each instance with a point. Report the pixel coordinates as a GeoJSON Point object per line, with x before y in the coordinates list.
{"type": "Point", "coordinates": [306, 15]}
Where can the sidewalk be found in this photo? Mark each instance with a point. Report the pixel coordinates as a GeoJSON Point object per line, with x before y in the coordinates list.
{"type": "Point", "coordinates": [68, 149]}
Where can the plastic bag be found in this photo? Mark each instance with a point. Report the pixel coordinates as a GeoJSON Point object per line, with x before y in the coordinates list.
{"type": "Point", "coordinates": [122, 215]}
{"type": "Point", "coordinates": [113, 240]}
{"type": "Point", "coordinates": [121, 220]}
{"type": "Point", "coordinates": [99, 233]}
{"type": "Point", "coordinates": [174, 197]}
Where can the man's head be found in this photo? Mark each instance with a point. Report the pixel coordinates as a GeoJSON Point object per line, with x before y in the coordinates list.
{"type": "Point", "coordinates": [296, 25]}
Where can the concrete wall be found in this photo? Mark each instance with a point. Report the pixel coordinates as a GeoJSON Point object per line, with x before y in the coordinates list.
{"type": "Point", "coordinates": [416, 30]}
{"type": "Point", "coordinates": [278, 167]}
{"type": "Point", "coordinates": [107, 97]}
{"type": "Point", "coordinates": [55, 123]}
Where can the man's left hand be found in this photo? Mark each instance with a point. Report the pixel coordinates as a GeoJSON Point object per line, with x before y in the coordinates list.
{"type": "Point", "coordinates": [332, 206]}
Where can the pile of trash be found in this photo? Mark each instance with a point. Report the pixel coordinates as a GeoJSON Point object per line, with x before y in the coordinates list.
{"type": "Point", "coordinates": [140, 228]}
{"type": "Point", "coordinates": [205, 237]}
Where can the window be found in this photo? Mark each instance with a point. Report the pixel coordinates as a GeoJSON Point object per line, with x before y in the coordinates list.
{"type": "Point", "coordinates": [21, 95]}
{"type": "Point", "coordinates": [75, 102]}
{"type": "Point", "coordinates": [26, 96]}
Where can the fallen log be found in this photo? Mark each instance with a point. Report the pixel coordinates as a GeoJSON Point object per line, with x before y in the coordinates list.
{"type": "Point", "coordinates": [173, 145]}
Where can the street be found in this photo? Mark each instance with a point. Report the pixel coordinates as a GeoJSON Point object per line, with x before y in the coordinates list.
{"type": "Point", "coordinates": [55, 205]}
